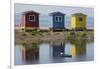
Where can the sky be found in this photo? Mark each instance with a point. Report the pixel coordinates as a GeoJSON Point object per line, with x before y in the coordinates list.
{"type": "Point", "coordinates": [46, 9]}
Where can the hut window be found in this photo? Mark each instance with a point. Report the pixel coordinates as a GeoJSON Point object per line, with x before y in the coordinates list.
{"type": "Point", "coordinates": [58, 18]}
{"type": "Point", "coordinates": [31, 18]}
{"type": "Point", "coordinates": [80, 19]}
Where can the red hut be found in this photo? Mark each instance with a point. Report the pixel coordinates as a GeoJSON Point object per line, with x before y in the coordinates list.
{"type": "Point", "coordinates": [30, 20]}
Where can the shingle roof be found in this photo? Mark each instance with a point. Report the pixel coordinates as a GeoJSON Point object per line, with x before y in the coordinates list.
{"type": "Point", "coordinates": [29, 12]}
{"type": "Point", "coordinates": [56, 13]}
{"type": "Point", "coordinates": [79, 14]}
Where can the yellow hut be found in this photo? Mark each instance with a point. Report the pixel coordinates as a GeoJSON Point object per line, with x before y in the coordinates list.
{"type": "Point", "coordinates": [78, 21]}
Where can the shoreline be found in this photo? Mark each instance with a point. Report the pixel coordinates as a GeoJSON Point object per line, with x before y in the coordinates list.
{"type": "Point", "coordinates": [37, 37]}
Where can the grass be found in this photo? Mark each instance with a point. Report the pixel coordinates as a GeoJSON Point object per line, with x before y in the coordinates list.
{"type": "Point", "coordinates": [34, 32]}
{"type": "Point", "coordinates": [77, 34]}
{"type": "Point", "coordinates": [47, 33]}
{"type": "Point", "coordinates": [81, 34]}
{"type": "Point", "coordinates": [39, 36]}
{"type": "Point", "coordinates": [23, 34]}
{"type": "Point", "coordinates": [68, 34]}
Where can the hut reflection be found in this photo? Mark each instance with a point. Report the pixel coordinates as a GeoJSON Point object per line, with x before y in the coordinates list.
{"type": "Point", "coordinates": [78, 48]}
{"type": "Point", "coordinates": [57, 48]}
{"type": "Point", "coordinates": [30, 52]}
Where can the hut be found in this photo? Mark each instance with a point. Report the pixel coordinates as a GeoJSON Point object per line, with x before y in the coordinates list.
{"type": "Point", "coordinates": [58, 20]}
{"type": "Point", "coordinates": [78, 21]}
{"type": "Point", "coordinates": [30, 20]}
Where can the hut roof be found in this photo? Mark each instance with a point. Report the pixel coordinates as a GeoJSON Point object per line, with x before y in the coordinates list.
{"type": "Point", "coordinates": [30, 12]}
{"type": "Point", "coordinates": [79, 14]}
{"type": "Point", "coordinates": [57, 13]}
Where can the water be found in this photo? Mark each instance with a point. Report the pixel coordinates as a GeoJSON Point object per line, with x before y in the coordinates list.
{"type": "Point", "coordinates": [51, 52]}
{"type": "Point", "coordinates": [46, 20]}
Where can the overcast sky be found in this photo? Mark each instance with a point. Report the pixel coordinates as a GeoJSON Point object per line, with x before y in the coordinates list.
{"type": "Point", "coordinates": [44, 9]}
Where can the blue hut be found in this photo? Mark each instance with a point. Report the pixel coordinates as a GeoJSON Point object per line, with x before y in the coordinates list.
{"type": "Point", "coordinates": [58, 20]}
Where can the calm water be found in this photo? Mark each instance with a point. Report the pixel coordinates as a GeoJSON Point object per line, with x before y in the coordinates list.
{"type": "Point", "coordinates": [51, 52]}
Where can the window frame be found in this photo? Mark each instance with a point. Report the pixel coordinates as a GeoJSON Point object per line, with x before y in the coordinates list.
{"type": "Point", "coordinates": [81, 18]}
{"type": "Point", "coordinates": [58, 18]}
{"type": "Point", "coordinates": [31, 19]}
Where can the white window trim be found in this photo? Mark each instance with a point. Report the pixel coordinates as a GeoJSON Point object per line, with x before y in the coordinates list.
{"type": "Point", "coordinates": [58, 19]}
{"type": "Point", "coordinates": [30, 19]}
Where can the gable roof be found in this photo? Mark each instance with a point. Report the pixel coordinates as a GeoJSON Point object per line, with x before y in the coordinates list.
{"type": "Point", "coordinates": [30, 12]}
{"type": "Point", "coordinates": [79, 14]}
{"type": "Point", "coordinates": [56, 13]}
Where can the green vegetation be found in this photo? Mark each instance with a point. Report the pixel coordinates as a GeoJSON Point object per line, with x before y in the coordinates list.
{"type": "Point", "coordinates": [23, 34]}
{"type": "Point", "coordinates": [36, 36]}
{"type": "Point", "coordinates": [47, 33]}
{"type": "Point", "coordinates": [76, 34]}
{"type": "Point", "coordinates": [81, 34]}
{"type": "Point", "coordinates": [30, 30]}
{"type": "Point", "coordinates": [34, 32]}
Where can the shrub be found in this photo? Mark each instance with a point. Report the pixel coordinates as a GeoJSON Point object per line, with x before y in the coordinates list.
{"type": "Point", "coordinates": [81, 34]}
{"type": "Point", "coordinates": [36, 32]}
{"type": "Point", "coordinates": [33, 32]}
{"type": "Point", "coordinates": [30, 30]}
{"type": "Point", "coordinates": [23, 34]}
{"type": "Point", "coordinates": [72, 33]}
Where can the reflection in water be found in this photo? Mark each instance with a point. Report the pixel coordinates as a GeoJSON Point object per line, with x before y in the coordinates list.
{"type": "Point", "coordinates": [45, 53]}
{"type": "Point", "coordinates": [78, 48]}
{"type": "Point", "coordinates": [58, 48]}
{"type": "Point", "coordinates": [30, 52]}
{"type": "Point", "coordinates": [51, 52]}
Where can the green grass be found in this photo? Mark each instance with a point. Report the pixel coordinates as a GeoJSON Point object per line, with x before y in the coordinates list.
{"type": "Point", "coordinates": [23, 34]}
{"type": "Point", "coordinates": [30, 30]}
{"type": "Point", "coordinates": [77, 34]}
{"type": "Point", "coordinates": [81, 34]}
{"type": "Point", "coordinates": [68, 34]}
{"type": "Point", "coordinates": [34, 33]}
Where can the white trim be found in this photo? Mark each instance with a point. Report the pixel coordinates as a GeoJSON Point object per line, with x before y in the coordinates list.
{"type": "Point", "coordinates": [32, 19]}
{"type": "Point", "coordinates": [58, 18]}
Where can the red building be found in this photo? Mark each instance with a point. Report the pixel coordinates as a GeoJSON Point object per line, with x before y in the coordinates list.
{"type": "Point", "coordinates": [30, 20]}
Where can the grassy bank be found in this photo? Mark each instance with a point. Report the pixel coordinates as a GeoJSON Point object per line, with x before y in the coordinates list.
{"type": "Point", "coordinates": [47, 36]}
